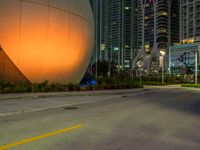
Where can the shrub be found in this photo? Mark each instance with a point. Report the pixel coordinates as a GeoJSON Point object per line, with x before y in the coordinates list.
{"type": "Point", "coordinates": [191, 85]}
{"type": "Point", "coordinates": [71, 87]}
{"type": "Point", "coordinates": [77, 87]}
{"type": "Point", "coordinates": [103, 84]}
{"type": "Point", "coordinates": [35, 88]}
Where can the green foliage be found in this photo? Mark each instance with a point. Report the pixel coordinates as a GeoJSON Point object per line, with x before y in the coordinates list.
{"type": "Point", "coordinates": [14, 88]}
{"type": "Point", "coordinates": [168, 79]}
{"type": "Point", "coordinates": [25, 88]}
{"type": "Point", "coordinates": [74, 87]}
{"type": "Point", "coordinates": [191, 85]}
{"type": "Point", "coordinates": [120, 81]}
{"type": "Point", "coordinates": [71, 87]}
{"type": "Point", "coordinates": [153, 83]}
{"type": "Point", "coordinates": [124, 83]}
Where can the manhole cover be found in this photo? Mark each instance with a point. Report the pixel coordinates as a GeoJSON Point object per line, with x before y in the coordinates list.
{"type": "Point", "coordinates": [71, 107]}
{"type": "Point", "coordinates": [124, 96]}
{"type": "Point", "coordinates": [146, 90]}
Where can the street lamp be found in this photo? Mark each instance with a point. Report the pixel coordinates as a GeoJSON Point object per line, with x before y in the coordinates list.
{"type": "Point", "coordinates": [196, 61]}
{"type": "Point", "coordinates": [162, 53]}
{"type": "Point", "coordinates": [196, 68]}
{"type": "Point", "coordinates": [140, 65]}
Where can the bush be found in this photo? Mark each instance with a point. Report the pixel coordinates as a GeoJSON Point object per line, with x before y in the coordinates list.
{"type": "Point", "coordinates": [77, 87]}
{"type": "Point", "coordinates": [71, 87]}
{"type": "Point", "coordinates": [117, 84]}
{"type": "Point", "coordinates": [103, 84]}
{"type": "Point", "coordinates": [191, 85]}
{"type": "Point", "coordinates": [153, 83]}
{"type": "Point", "coordinates": [35, 88]}
{"type": "Point", "coordinates": [24, 88]}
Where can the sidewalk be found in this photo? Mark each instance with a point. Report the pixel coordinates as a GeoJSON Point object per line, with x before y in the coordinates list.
{"type": "Point", "coordinates": [163, 86]}
{"type": "Point", "coordinates": [11, 104]}
{"type": "Point", "coordinates": [172, 87]}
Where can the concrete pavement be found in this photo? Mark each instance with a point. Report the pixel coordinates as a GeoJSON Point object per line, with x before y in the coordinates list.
{"type": "Point", "coordinates": [153, 119]}
{"type": "Point", "coordinates": [11, 104]}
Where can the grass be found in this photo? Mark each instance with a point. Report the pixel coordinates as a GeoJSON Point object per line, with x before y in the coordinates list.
{"type": "Point", "coordinates": [191, 85]}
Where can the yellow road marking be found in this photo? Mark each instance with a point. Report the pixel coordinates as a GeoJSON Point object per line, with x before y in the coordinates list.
{"type": "Point", "coordinates": [4, 147]}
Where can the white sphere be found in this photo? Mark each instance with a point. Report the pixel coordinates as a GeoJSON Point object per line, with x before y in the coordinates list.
{"type": "Point", "coordinates": [47, 39]}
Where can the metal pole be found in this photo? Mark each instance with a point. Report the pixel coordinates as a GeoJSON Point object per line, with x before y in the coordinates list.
{"type": "Point", "coordinates": [196, 68]}
{"type": "Point", "coordinates": [169, 67]}
{"type": "Point", "coordinates": [140, 80]}
{"type": "Point", "coordinates": [96, 67]}
{"type": "Point", "coordinates": [162, 70]}
{"type": "Point", "coordinates": [132, 73]}
{"type": "Point", "coordinates": [162, 75]}
{"type": "Point", "coordinates": [109, 72]}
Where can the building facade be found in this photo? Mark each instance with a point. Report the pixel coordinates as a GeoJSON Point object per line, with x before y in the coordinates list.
{"type": "Point", "coordinates": [190, 20]}
{"type": "Point", "coordinates": [182, 56]}
{"type": "Point", "coordinates": [160, 21]}
{"type": "Point", "coordinates": [117, 31]}
{"type": "Point", "coordinates": [182, 59]}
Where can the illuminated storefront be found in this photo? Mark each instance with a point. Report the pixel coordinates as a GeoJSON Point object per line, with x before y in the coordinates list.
{"type": "Point", "coordinates": [182, 58]}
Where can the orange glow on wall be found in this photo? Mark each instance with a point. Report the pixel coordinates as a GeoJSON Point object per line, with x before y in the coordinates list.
{"type": "Point", "coordinates": [47, 39]}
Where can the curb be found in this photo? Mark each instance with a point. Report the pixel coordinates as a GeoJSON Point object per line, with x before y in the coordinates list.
{"type": "Point", "coordinates": [64, 94]}
{"type": "Point", "coordinates": [37, 109]}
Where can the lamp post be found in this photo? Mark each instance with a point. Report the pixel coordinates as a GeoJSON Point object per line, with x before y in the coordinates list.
{"type": "Point", "coordinates": [162, 53]}
{"type": "Point", "coordinates": [196, 62]}
{"type": "Point", "coordinates": [196, 68]}
{"type": "Point", "coordinates": [96, 67]}
{"type": "Point", "coordinates": [140, 71]}
{"type": "Point", "coordinates": [140, 65]}
{"type": "Point", "coordinates": [109, 69]}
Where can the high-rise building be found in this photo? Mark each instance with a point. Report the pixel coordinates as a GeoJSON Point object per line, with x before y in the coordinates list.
{"type": "Point", "coordinates": [190, 20]}
{"type": "Point", "coordinates": [117, 31]}
{"type": "Point", "coordinates": [160, 19]}
{"type": "Point", "coordinates": [182, 58]}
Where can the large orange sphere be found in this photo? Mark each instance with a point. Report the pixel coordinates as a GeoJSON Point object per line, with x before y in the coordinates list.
{"type": "Point", "coordinates": [47, 39]}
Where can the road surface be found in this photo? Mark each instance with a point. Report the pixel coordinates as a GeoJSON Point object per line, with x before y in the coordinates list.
{"type": "Point", "coordinates": [148, 119]}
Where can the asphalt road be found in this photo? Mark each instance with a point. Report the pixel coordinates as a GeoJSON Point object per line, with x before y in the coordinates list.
{"type": "Point", "coordinates": [154, 119]}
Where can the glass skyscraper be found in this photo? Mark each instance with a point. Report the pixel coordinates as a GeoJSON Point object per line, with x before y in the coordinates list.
{"type": "Point", "coordinates": [160, 28]}
{"type": "Point", "coordinates": [182, 57]}
{"type": "Point", "coordinates": [190, 20]}
{"type": "Point", "coordinates": [118, 31]}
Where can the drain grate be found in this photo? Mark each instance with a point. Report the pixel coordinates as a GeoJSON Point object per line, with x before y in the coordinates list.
{"type": "Point", "coordinates": [146, 90]}
{"type": "Point", "coordinates": [71, 108]}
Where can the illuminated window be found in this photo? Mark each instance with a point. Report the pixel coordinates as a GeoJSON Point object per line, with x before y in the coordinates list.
{"type": "Point", "coordinates": [103, 46]}
{"type": "Point", "coordinates": [162, 30]}
{"type": "Point", "coordinates": [147, 5]}
{"type": "Point", "coordinates": [116, 48]}
{"type": "Point", "coordinates": [126, 46]}
{"type": "Point", "coordinates": [163, 13]}
{"type": "Point", "coordinates": [188, 41]}
{"type": "Point", "coordinates": [127, 8]}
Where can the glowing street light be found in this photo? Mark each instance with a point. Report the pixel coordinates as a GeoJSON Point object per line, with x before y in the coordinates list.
{"type": "Point", "coordinates": [162, 53]}
{"type": "Point", "coordinates": [140, 65]}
